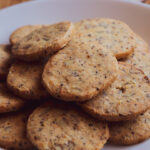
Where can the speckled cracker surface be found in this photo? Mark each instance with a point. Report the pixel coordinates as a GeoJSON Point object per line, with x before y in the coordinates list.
{"type": "Point", "coordinates": [25, 80]}
{"type": "Point", "coordinates": [112, 34]}
{"type": "Point", "coordinates": [131, 132]}
{"type": "Point", "coordinates": [80, 71]}
{"type": "Point", "coordinates": [140, 57]}
{"type": "Point", "coordinates": [5, 60]}
{"type": "Point", "coordinates": [21, 32]}
{"type": "Point", "coordinates": [13, 131]}
{"type": "Point", "coordinates": [43, 41]}
{"type": "Point", "coordinates": [9, 102]}
{"type": "Point", "coordinates": [126, 98]}
{"type": "Point", "coordinates": [63, 126]}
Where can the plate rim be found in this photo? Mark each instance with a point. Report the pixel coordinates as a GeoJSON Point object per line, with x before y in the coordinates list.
{"type": "Point", "coordinates": [136, 3]}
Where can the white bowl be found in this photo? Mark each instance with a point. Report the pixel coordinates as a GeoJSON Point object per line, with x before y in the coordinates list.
{"type": "Point", "coordinates": [135, 14]}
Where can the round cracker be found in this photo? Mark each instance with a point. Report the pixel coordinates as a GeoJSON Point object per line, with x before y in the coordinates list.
{"type": "Point", "coordinates": [63, 126]}
{"type": "Point", "coordinates": [126, 98]}
{"type": "Point", "coordinates": [13, 131]}
{"type": "Point", "coordinates": [5, 60]}
{"type": "Point", "coordinates": [112, 34]}
{"type": "Point", "coordinates": [43, 41]}
{"type": "Point", "coordinates": [9, 102]}
{"type": "Point", "coordinates": [140, 57]}
{"type": "Point", "coordinates": [131, 132]}
{"type": "Point", "coordinates": [25, 80]}
{"type": "Point", "coordinates": [80, 71]}
{"type": "Point", "coordinates": [21, 32]}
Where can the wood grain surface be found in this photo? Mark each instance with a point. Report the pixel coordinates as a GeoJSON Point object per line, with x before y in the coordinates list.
{"type": "Point", "coordinates": [146, 1]}
{"type": "Point", "coordinates": [6, 3]}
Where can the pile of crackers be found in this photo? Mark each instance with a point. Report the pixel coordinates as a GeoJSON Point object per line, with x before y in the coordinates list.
{"type": "Point", "coordinates": [74, 86]}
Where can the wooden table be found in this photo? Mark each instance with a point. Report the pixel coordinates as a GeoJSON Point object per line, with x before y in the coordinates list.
{"type": "Point", "coordinates": [6, 3]}
{"type": "Point", "coordinates": [147, 1]}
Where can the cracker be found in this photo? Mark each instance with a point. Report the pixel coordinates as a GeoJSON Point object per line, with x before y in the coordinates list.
{"type": "Point", "coordinates": [43, 41]}
{"type": "Point", "coordinates": [114, 35]}
{"type": "Point", "coordinates": [9, 102]}
{"type": "Point", "coordinates": [131, 132]}
{"type": "Point", "coordinates": [141, 56]}
{"type": "Point", "coordinates": [80, 71]}
{"type": "Point", "coordinates": [126, 98]}
{"type": "Point", "coordinates": [21, 32]}
{"type": "Point", "coordinates": [63, 126]}
{"type": "Point", "coordinates": [13, 131]}
{"type": "Point", "coordinates": [5, 60]}
{"type": "Point", "coordinates": [25, 80]}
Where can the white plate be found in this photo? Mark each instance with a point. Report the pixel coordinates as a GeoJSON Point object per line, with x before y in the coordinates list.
{"type": "Point", "coordinates": [136, 14]}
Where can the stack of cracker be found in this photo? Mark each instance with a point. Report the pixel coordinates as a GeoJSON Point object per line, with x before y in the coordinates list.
{"type": "Point", "coordinates": [74, 86]}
